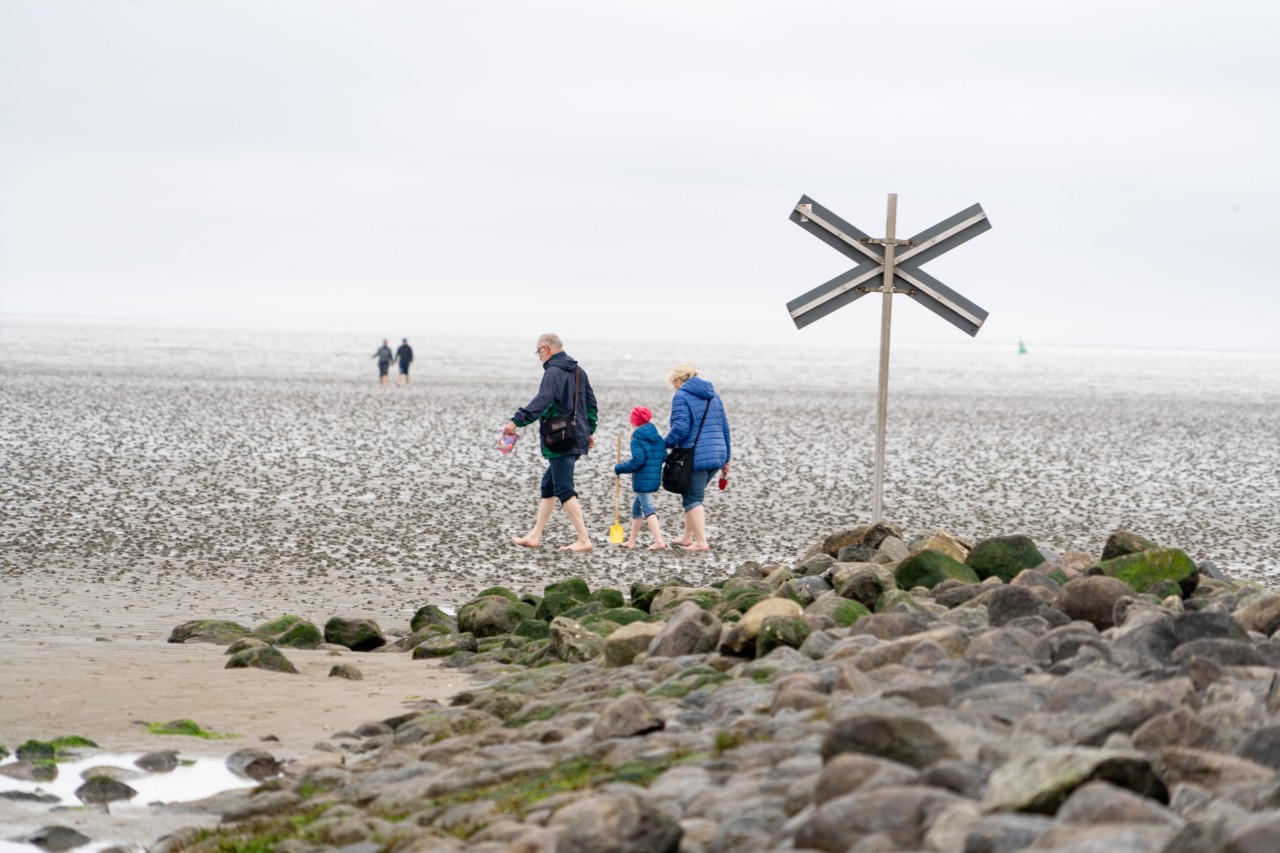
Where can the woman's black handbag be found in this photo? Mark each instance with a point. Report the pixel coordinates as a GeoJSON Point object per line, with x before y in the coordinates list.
{"type": "Point", "coordinates": [560, 433]}
{"type": "Point", "coordinates": [677, 470]}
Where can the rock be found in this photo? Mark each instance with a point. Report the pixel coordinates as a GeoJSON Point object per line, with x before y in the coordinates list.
{"type": "Point", "coordinates": [262, 657]}
{"type": "Point", "coordinates": [216, 631]}
{"type": "Point", "coordinates": [907, 740]}
{"type": "Point", "coordinates": [345, 670]}
{"type": "Point", "coordinates": [1147, 570]}
{"type": "Point", "coordinates": [841, 611]}
{"type": "Point", "coordinates": [1226, 653]}
{"type": "Point", "coordinates": [805, 590]}
{"type": "Point", "coordinates": [492, 615]}
{"type": "Point", "coordinates": [430, 615]}
{"type": "Point", "coordinates": [57, 839]}
{"type": "Point", "coordinates": [930, 568]}
{"type": "Point", "coordinates": [856, 553]}
{"type": "Point", "coordinates": [672, 596]}
{"type": "Point", "coordinates": [1262, 747]}
{"type": "Point", "coordinates": [1005, 833]}
{"type": "Point", "coordinates": [444, 645]}
{"type": "Point", "coordinates": [862, 582]}
{"type": "Point", "coordinates": [892, 550]}
{"type": "Point", "coordinates": [1207, 769]}
{"type": "Point", "coordinates": [101, 789]}
{"type": "Point", "coordinates": [1260, 614]}
{"type": "Point", "coordinates": [27, 771]}
{"type": "Point", "coordinates": [1093, 599]}
{"type": "Point", "coordinates": [255, 764]}
{"type": "Point", "coordinates": [1123, 543]}
{"type": "Point", "coordinates": [966, 778]}
{"type": "Point", "coordinates": [1003, 557]}
{"type": "Point", "coordinates": [1007, 603]}
{"type": "Point", "coordinates": [832, 544]}
{"type": "Point", "coordinates": [613, 823]}
{"type": "Point", "coordinates": [633, 714]}
{"type": "Point", "coordinates": [899, 813]}
{"type": "Point", "coordinates": [1123, 716]}
{"type": "Point", "coordinates": [359, 635]}
{"type": "Point", "coordinates": [689, 630]}
{"type": "Point", "coordinates": [945, 543]}
{"type": "Point", "coordinates": [160, 761]}
{"type": "Point", "coordinates": [1206, 625]}
{"type": "Point", "coordinates": [1102, 802]}
{"type": "Point", "coordinates": [819, 563]}
{"type": "Point", "coordinates": [741, 638]}
{"type": "Point", "coordinates": [572, 643]}
{"type": "Point", "coordinates": [622, 645]}
{"type": "Point", "coordinates": [1041, 782]}
{"type": "Point", "coordinates": [777, 631]}
{"type": "Point", "coordinates": [245, 643]}
{"type": "Point", "coordinates": [1179, 727]}
{"type": "Point", "coordinates": [850, 771]}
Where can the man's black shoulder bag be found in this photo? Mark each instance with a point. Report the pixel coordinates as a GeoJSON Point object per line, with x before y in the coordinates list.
{"type": "Point", "coordinates": [560, 432]}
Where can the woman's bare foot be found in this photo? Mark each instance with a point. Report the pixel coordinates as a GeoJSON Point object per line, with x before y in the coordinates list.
{"type": "Point", "coordinates": [526, 541]}
{"type": "Point", "coordinates": [683, 543]}
{"type": "Point", "coordinates": [692, 547]}
{"type": "Point", "coordinates": [658, 546]}
{"type": "Point", "coordinates": [628, 544]}
{"type": "Point", "coordinates": [577, 546]}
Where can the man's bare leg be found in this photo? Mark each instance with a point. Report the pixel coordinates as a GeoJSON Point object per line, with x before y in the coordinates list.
{"type": "Point", "coordinates": [696, 519]}
{"type": "Point", "coordinates": [534, 537]}
{"type": "Point", "coordinates": [656, 530]}
{"type": "Point", "coordinates": [574, 510]}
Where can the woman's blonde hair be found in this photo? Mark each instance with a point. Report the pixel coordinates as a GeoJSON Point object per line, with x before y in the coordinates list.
{"type": "Point", "coordinates": [680, 373]}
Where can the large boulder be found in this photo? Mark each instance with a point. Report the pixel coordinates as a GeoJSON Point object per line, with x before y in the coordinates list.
{"type": "Point", "coordinates": [1124, 542]}
{"type": "Point", "coordinates": [492, 615]}
{"type": "Point", "coordinates": [930, 568]}
{"type": "Point", "coordinates": [359, 635]}
{"type": "Point", "coordinates": [1093, 599]}
{"type": "Point", "coordinates": [907, 740]}
{"type": "Point", "coordinates": [1261, 614]}
{"type": "Point", "coordinates": [217, 631]}
{"type": "Point", "coordinates": [429, 615]}
{"type": "Point", "coordinates": [689, 631]}
{"type": "Point", "coordinates": [629, 716]}
{"type": "Point", "coordinates": [954, 547]}
{"type": "Point", "coordinates": [790, 631]}
{"type": "Point", "coordinates": [262, 657]}
{"type": "Point", "coordinates": [741, 639]}
{"type": "Point", "coordinates": [291, 632]}
{"type": "Point", "coordinates": [572, 643]}
{"type": "Point", "coordinates": [1041, 781]}
{"type": "Point", "coordinates": [1003, 557]}
{"type": "Point", "coordinates": [1147, 570]}
{"type": "Point", "coordinates": [622, 646]}
{"type": "Point", "coordinates": [616, 823]}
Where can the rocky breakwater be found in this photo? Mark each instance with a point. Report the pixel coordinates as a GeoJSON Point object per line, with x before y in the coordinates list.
{"type": "Point", "coordinates": [882, 693]}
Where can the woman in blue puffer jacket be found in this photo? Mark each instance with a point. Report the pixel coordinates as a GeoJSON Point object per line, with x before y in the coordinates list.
{"type": "Point", "coordinates": [645, 468]}
{"type": "Point", "coordinates": [694, 400]}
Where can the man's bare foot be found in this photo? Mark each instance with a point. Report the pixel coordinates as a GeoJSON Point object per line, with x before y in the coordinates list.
{"type": "Point", "coordinates": [683, 543]}
{"type": "Point", "coordinates": [577, 546]}
{"type": "Point", "coordinates": [692, 547]}
{"type": "Point", "coordinates": [658, 546]}
{"type": "Point", "coordinates": [526, 541]}
{"type": "Point", "coordinates": [627, 544]}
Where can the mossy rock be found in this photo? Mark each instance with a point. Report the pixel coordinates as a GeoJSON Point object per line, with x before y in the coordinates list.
{"type": "Point", "coordinates": [842, 611]}
{"type": "Point", "coordinates": [220, 632]}
{"type": "Point", "coordinates": [1058, 576]}
{"type": "Point", "coordinates": [442, 646]}
{"type": "Point", "coordinates": [4, 753]}
{"type": "Point", "coordinates": [930, 568]}
{"type": "Point", "coordinates": [277, 626]}
{"type": "Point", "coordinates": [498, 590]}
{"type": "Point", "coordinates": [642, 595]}
{"type": "Point", "coordinates": [778, 631]}
{"type": "Point", "coordinates": [245, 643]}
{"type": "Point", "coordinates": [189, 728]}
{"type": "Point", "coordinates": [263, 657]}
{"type": "Point", "coordinates": [492, 615]}
{"type": "Point", "coordinates": [610, 598]}
{"type": "Point", "coordinates": [346, 670]}
{"type": "Point", "coordinates": [429, 615]}
{"type": "Point", "coordinates": [553, 604]}
{"type": "Point", "coordinates": [299, 635]}
{"type": "Point", "coordinates": [1125, 542]}
{"type": "Point", "coordinates": [574, 587]}
{"type": "Point", "coordinates": [533, 629]}
{"type": "Point", "coordinates": [359, 635]}
{"type": "Point", "coordinates": [531, 599]}
{"type": "Point", "coordinates": [600, 626]}
{"type": "Point", "coordinates": [580, 611]}
{"type": "Point", "coordinates": [1003, 557]}
{"type": "Point", "coordinates": [1146, 570]}
{"type": "Point", "coordinates": [48, 751]}
{"type": "Point", "coordinates": [624, 615]}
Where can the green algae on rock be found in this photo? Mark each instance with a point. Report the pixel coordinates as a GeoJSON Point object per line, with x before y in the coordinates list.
{"type": "Point", "coordinates": [220, 632]}
{"type": "Point", "coordinates": [189, 728]}
{"type": "Point", "coordinates": [1003, 557]}
{"type": "Point", "coordinates": [262, 657]}
{"type": "Point", "coordinates": [1146, 570]}
{"type": "Point", "coordinates": [930, 568]}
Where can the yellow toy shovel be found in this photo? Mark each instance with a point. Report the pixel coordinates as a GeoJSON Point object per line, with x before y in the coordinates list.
{"type": "Point", "coordinates": [616, 533]}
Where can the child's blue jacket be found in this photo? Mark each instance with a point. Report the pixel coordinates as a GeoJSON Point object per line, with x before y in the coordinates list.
{"type": "Point", "coordinates": [647, 455]}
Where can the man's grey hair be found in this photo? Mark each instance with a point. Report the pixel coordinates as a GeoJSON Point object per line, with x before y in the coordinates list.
{"type": "Point", "coordinates": [552, 340]}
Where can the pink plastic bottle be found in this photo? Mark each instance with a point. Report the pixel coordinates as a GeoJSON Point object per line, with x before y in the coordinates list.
{"type": "Point", "coordinates": [507, 443]}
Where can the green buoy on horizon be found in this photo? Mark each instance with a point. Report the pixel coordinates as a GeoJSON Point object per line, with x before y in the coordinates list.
{"type": "Point", "coordinates": [1022, 349]}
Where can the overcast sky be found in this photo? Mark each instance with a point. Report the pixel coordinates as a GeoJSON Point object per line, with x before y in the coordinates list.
{"type": "Point", "coordinates": [627, 168]}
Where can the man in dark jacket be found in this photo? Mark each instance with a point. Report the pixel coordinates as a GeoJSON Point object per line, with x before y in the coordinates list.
{"type": "Point", "coordinates": [561, 378]}
{"type": "Point", "coordinates": [404, 357]}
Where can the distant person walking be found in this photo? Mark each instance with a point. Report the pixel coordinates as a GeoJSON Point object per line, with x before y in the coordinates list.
{"type": "Point", "coordinates": [645, 468]}
{"type": "Point", "coordinates": [697, 416]}
{"type": "Point", "coordinates": [404, 358]}
{"type": "Point", "coordinates": [564, 397]}
{"type": "Point", "coordinates": [383, 355]}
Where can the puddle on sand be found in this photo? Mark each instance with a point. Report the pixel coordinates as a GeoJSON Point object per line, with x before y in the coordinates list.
{"type": "Point", "coordinates": [203, 777]}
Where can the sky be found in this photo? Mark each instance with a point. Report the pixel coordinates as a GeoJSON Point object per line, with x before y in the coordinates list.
{"type": "Point", "coordinates": [626, 169]}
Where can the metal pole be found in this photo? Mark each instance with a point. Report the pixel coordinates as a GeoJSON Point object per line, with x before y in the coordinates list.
{"type": "Point", "coordinates": [882, 398]}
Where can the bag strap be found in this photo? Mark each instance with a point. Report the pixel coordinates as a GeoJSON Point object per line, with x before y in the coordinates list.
{"type": "Point", "coordinates": [700, 424]}
{"type": "Point", "coordinates": [574, 417]}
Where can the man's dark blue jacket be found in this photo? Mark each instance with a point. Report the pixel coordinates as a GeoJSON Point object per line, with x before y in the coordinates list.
{"type": "Point", "coordinates": [555, 395]}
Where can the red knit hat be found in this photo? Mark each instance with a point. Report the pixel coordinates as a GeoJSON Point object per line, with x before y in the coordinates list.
{"type": "Point", "coordinates": [640, 415]}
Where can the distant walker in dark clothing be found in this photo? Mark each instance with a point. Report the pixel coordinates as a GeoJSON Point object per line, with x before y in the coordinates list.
{"type": "Point", "coordinates": [404, 357]}
{"type": "Point", "coordinates": [556, 397]}
{"type": "Point", "coordinates": [383, 355]}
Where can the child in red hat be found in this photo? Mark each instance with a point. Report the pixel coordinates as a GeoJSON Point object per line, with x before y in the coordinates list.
{"type": "Point", "coordinates": [645, 467]}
